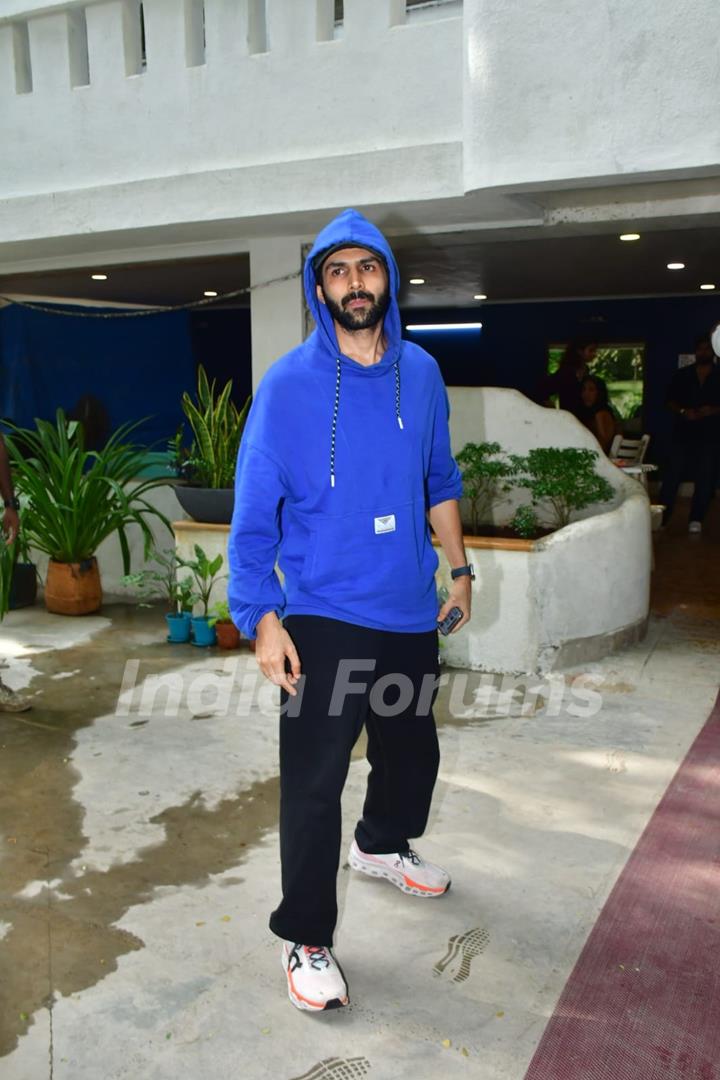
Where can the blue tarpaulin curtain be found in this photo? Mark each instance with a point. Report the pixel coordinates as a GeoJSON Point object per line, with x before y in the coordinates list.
{"type": "Point", "coordinates": [134, 367]}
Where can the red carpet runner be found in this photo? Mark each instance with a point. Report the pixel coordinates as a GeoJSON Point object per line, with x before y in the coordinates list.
{"type": "Point", "coordinates": [643, 1001]}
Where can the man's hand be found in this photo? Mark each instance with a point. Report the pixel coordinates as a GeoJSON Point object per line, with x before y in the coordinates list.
{"type": "Point", "coordinates": [691, 414]}
{"type": "Point", "coordinates": [460, 595]}
{"type": "Point", "coordinates": [274, 644]}
{"type": "Point", "coordinates": [10, 525]}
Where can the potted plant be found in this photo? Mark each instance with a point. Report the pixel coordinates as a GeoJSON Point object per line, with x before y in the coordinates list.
{"type": "Point", "coordinates": [24, 578]}
{"type": "Point", "coordinates": [178, 594]}
{"type": "Point", "coordinates": [8, 556]}
{"type": "Point", "coordinates": [487, 472]}
{"type": "Point", "coordinates": [205, 573]}
{"type": "Point", "coordinates": [208, 467]}
{"type": "Point", "coordinates": [74, 498]}
{"type": "Point", "coordinates": [565, 479]}
{"type": "Point", "coordinates": [228, 635]}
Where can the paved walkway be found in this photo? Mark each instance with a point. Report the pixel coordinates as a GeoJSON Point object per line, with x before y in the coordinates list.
{"type": "Point", "coordinates": [138, 860]}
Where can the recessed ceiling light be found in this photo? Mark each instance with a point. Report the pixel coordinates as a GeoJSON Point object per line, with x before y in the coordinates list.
{"type": "Point", "coordinates": [209, 292]}
{"type": "Point", "coordinates": [630, 236]}
{"type": "Point", "coordinates": [417, 280]}
{"type": "Point", "coordinates": [99, 277]}
{"type": "Point", "coordinates": [480, 296]}
{"type": "Point", "coordinates": [445, 326]}
{"type": "Point", "coordinates": [708, 287]}
{"type": "Point", "coordinates": [676, 266]}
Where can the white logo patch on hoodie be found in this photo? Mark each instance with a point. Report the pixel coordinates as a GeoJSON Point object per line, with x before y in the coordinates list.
{"type": "Point", "coordinates": [385, 524]}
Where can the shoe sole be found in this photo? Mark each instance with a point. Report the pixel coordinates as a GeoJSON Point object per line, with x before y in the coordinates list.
{"type": "Point", "coordinates": [305, 1006]}
{"type": "Point", "coordinates": [375, 870]}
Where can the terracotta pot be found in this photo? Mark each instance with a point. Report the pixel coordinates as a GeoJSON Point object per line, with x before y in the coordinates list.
{"type": "Point", "coordinates": [73, 588]}
{"type": "Point", "coordinates": [228, 635]}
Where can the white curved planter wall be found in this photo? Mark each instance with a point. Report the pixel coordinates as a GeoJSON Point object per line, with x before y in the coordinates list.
{"type": "Point", "coordinates": [573, 596]}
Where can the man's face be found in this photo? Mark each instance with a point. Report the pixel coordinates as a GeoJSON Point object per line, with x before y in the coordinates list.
{"type": "Point", "coordinates": [355, 288]}
{"type": "Point", "coordinates": [703, 352]}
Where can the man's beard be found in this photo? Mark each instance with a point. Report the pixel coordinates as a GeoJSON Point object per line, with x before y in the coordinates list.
{"type": "Point", "coordinates": [364, 319]}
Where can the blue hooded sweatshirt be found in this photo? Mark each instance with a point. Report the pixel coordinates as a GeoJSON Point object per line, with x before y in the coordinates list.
{"type": "Point", "coordinates": [338, 465]}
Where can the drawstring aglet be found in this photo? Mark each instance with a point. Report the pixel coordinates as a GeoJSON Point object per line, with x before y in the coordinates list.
{"type": "Point", "coordinates": [400, 423]}
{"type": "Point", "coordinates": [332, 479]}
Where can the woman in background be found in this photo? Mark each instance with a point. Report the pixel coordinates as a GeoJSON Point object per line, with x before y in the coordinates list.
{"type": "Point", "coordinates": [596, 413]}
{"type": "Point", "coordinates": [566, 381]}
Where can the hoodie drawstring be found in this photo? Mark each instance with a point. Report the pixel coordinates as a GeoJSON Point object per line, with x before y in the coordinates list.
{"type": "Point", "coordinates": [396, 365]}
{"type": "Point", "coordinates": [336, 409]}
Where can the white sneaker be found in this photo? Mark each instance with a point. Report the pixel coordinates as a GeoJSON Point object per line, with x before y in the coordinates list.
{"type": "Point", "coordinates": [410, 872]}
{"type": "Point", "coordinates": [695, 527]}
{"type": "Point", "coordinates": [314, 978]}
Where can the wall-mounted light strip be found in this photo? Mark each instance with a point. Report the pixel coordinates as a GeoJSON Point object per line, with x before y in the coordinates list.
{"type": "Point", "coordinates": [445, 326]}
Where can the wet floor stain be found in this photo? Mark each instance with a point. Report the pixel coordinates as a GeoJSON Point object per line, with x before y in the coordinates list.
{"type": "Point", "coordinates": [68, 942]}
{"type": "Point", "coordinates": [65, 939]}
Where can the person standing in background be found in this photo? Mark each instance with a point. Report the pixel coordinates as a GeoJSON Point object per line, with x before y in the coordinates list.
{"type": "Point", "coordinates": [10, 701]}
{"type": "Point", "coordinates": [694, 397]}
{"type": "Point", "coordinates": [565, 382]}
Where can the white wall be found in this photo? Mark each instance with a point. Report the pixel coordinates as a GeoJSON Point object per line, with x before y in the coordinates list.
{"type": "Point", "coordinates": [380, 87]}
{"type": "Point", "coordinates": [408, 114]}
{"type": "Point", "coordinates": [490, 414]}
{"type": "Point", "coordinates": [560, 90]}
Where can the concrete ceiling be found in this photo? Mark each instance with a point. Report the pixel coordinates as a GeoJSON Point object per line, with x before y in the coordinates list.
{"type": "Point", "coordinates": [506, 264]}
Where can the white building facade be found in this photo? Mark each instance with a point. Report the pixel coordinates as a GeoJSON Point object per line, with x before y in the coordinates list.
{"type": "Point", "coordinates": [187, 128]}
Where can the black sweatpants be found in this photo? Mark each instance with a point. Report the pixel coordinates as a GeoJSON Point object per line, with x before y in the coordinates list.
{"type": "Point", "coordinates": [360, 674]}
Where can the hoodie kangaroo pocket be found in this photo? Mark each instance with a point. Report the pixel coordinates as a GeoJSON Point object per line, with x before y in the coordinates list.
{"type": "Point", "coordinates": [370, 553]}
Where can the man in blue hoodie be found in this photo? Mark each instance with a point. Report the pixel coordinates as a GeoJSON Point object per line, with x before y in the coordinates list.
{"type": "Point", "coordinates": [344, 458]}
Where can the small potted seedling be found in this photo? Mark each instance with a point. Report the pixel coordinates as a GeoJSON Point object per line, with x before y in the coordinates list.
{"type": "Point", "coordinates": [205, 573]}
{"type": "Point", "coordinates": [164, 582]}
{"type": "Point", "coordinates": [228, 635]}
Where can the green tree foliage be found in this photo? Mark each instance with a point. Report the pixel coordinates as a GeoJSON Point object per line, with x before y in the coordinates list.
{"type": "Point", "coordinates": [563, 479]}
{"type": "Point", "coordinates": [487, 473]}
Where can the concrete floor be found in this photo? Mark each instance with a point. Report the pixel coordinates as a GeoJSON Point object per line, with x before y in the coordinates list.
{"type": "Point", "coordinates": [138, 860]}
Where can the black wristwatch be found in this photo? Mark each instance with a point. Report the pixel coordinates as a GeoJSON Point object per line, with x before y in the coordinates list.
{"type": "Point", "coordinates": [12, 504]}
{"type": "Point", "coordinates": [463, 571]}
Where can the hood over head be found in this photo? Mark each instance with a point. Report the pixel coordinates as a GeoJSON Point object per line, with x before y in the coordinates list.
{"type": "Point", "coordinates": [352, 229]}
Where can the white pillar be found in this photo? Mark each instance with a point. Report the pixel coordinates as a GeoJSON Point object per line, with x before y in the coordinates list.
{"type": "Point", "coordinates": [276, 312]}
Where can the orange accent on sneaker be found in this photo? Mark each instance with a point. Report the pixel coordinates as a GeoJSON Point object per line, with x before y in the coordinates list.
{"type": "Point", "coordinates": [308, 1001]}
{"type": "Point", "coordinates": [425, 888]}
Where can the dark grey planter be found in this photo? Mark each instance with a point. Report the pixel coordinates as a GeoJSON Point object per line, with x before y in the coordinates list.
{"type": "Point", "coordinates": [23, 586]}
{"type": "Point", "coordinates": [211, 505]}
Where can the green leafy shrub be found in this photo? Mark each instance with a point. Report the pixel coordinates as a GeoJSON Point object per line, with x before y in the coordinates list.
{"type": "Point", "coordinates": [220, 613]}
{"type": "Point", "coordinates": [487, 473]}
{"type": "Point", "coordinates": [525, 521]}
{"type": "Point", "coordinates": [565, 479]}
{"type": "Point", "coordinates": [205, 573]}
{"type": "Point", "coordinates": [164, 582]}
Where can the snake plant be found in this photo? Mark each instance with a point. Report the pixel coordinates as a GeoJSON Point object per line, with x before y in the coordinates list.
{"type": "Point", "coordinates": [217, 426]}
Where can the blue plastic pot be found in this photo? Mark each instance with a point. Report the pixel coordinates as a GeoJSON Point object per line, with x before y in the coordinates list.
{"type": "Point", "coordinates": [178, 627]}
{"type": "Point", "coordinates": [203, 634]}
